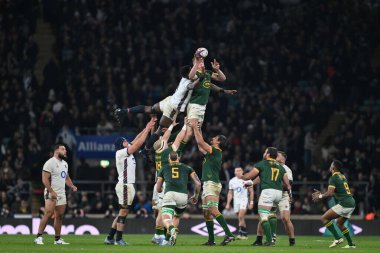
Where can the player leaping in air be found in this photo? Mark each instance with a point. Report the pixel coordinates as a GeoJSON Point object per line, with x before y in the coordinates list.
{"type": "Point", "coordinates": [338, 187]}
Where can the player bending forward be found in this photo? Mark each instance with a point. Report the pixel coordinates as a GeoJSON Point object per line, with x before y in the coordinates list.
{"type": "Point", "coordinates": [239, 193]}
{"type": "Point", "coordinates": [338, 187]}
{"type": "Point", "coordinates": [176, 175]}
{"type": "Point", "coordinates": [272, 175]}
{"type": "Point", "coordinates": [125, 191]}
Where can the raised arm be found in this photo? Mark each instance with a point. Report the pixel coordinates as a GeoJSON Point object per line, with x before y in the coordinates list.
{"type": "Point", "coordinates": [168, 131]}
{"type": "Point", "coordinates": [218, 75]}
{"type": "Point", "coordinates": [216, 88]}
{"type": "Point", "coordinates": [143, 135]}
{"type": "Point", "coordinates": [180, 136]}
{"type": "Point", "coordinates": [197, 64]}
{"type": "Point", "coordinates": [202, 145]}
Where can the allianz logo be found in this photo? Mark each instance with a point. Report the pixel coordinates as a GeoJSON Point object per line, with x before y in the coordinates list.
{"type": "Point", "coordinates": [66, 229]}
{"type": "Point", "coordinates": [95, 146]}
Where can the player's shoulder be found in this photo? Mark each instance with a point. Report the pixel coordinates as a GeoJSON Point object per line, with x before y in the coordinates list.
{"type": "Point", "coordinates": [121, 152]}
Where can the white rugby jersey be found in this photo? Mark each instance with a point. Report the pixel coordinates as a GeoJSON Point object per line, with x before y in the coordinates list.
{"type": "Point", "coordinates": [236, 185]}
{"type": "Point", "coordinates": [58, 173]}
{"type": "Point", "coordinates": [182, 94]}
{"type": "Point", "coordinates": [289, 172]}
{"type": "Point", "coordinates": [126, 166]}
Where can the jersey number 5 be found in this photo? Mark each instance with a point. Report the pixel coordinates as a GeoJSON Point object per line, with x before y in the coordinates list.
{"type": "Point", "coordinates": [175, 173]}
{"type": "Point", "coordinates": [275, 173]}
{"type": "Point", "coordinates": [347, 188]}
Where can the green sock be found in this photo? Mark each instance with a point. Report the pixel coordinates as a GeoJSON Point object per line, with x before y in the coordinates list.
{"type": "Point", "coordinates": [170, 228]}
{"type": "Point", "coordinates": [167, 236]}
{"type": "Point", "coordinates": [210, 230]}
{"type": "Point", "coordinates": [273, 224]}
{"type": "Point", "coordinates": [267, 231]}
{"type": "Point", "coordinates": [346, 234]}
{"type": "Point", "coordinates": [330, 226]}
{"type": "Point", "coordinates": [159, 230]}
{"type": "Point", "coordinates": [223, 223]}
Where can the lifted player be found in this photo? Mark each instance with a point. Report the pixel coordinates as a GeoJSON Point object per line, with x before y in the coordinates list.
{"type": "Point", "coordinates": [338, 187]}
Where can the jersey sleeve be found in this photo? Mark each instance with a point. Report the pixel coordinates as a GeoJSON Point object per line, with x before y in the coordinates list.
{"type": "Point", "coordinates": [47, 167]}
{"type": "Point", "coordinates": [332, 181]}
{"type": "Point", "coordinates": [230, 185]}
{"type": "Point", "coordinates": [122, 153]}
{"type": "Point", "coordinates": [259, 166]}
{"type": "Point", "coordinates": [161, 174]}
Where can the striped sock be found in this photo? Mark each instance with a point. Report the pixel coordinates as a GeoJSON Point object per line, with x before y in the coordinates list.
{"type": "Point", "coordinates": [346, 233]}
{"type": "Point", "coordinates": [330, 226]}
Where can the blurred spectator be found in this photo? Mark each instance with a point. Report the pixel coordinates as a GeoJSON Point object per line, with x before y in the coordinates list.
{"type": "Point", "coordinates": [142, 208]}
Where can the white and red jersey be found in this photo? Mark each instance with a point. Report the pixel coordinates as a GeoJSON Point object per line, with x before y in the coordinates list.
{"type": "Point", "coordinates": [126, 166]}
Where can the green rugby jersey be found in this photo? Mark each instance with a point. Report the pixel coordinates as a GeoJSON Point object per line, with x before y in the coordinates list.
{"type": "Point", "coordinates": [162, 158]}
{"type": "Point", "coordinates": [211, 165]}
{"type": "Point", "coordinates": [176, 176]}
{"type": "Point", "coordinates": [342, 191]}
{"type": "Point", "coordinates": [271, 174]}
{"type": "Point", "coordinates": [201, 92]}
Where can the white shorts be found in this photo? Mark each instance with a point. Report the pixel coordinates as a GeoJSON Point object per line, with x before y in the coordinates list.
{"type": "Point", "coordinates": [345, 212]}
{"type": "Point", "coordinates": [270, 197]}
{"type": "Point", "coordinates": [240, 204]}
{"type": "Point", "coordinates": [284, 204]}
{"type": "Point", "coordinates": [61, 197]}
{"type": "Point", "coordinates": [176, 199]}
{"type": "Point", "coordinates": [167, 108]}
{"type": "Point", "coordinates": [196, 111]}
{"type": "Point", "coordinates": [157, 197]}
{"type": "Point", "coordinates": [125, 193]}
{"type": "Point", "coordinates": [211, 188]}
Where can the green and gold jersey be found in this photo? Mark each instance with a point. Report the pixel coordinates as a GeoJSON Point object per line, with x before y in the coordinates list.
{"type": "Point", "coordinates": [342, 191]}
{"type": "Point", "coordinates": [176, 176]}
{"type": "Point", "coordinates": [201, 92]}
{"type": "Point", "coordinates": [211, 165]}
{"type": "Point", "coordinates": [162, 158]}
{"type": "Point", "coordinates": [181, 148]}
{"type": "Point", "coordinates": [271, 174]}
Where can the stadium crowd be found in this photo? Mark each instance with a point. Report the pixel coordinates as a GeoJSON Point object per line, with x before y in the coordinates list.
{"type": "Point", "coordinates": [292, 71]}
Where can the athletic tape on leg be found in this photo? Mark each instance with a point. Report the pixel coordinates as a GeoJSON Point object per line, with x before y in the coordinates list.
{"type": "Point", "coordinates": [212, 203]}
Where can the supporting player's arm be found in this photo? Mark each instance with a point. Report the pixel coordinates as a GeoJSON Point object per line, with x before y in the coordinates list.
{"type": "Point", "coordinates": [168, 131]}
{"type": "Point", "coordinates": [218, 75]}
{"type": "Point", "coordinates": [180, 136]}
{"type": "Point", "coordinates": [46, 181]}
{"type": "Point", "coordinates": [193, 72]}
{"type": "Point", "coordinates": [249, 175]}
{"type": "Point", "coordinates": [70, 183]}
{"type": "Point", "coordinates": [229, 198]}
{"type": "Point", "coordinates": [202, 145]}
{"type": "Point", "coordinates": [159, 183]}
{"type": "Point", "coordinates": [144, 134]}
{"type": "Point", "coordinates": [216, 88]}
{"type": "Point", "coordinates": [197, 186]}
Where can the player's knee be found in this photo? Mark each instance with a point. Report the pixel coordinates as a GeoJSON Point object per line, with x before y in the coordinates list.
{"type": "Point", "coordinates": [285, 218]}
{"type": "Point", "coordinates": [121, 219]}
{"type": "Point", "coordinates": [264, 215]}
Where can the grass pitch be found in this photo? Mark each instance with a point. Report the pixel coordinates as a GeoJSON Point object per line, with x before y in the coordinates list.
{"type": "Point", "coordinates": [185, 244]}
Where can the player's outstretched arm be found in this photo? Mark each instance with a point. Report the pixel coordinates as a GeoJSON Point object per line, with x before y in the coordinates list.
{"type": "Point", "coordinates": [218, 75]}
{"type": "Point", "coordinates": [193, 72]}
{"type": "Point", "coordinates": [216, 88]}
{"type": "Point", "coordinates": [180, 136]}
{"type": "Point", "coordinates": [202, 145]}
{"type": "Point", "coordinates": [70, 183]}
{"type": "Point", "coordinates": [197, 186]}
{"type": "Point", "coordinates": [168, 131]}
{"type": "Point", "coordinates": [144, 134]}
{"type": "Point", "coordinates": [139, 134]}
{"type": "Point", "coordinates": [317, 195]}
{"type": "Point", "coordinates": [251, 174]}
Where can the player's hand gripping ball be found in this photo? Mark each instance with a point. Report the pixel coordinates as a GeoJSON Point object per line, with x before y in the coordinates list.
{"type": "Point", "coordinates": [201, 52]}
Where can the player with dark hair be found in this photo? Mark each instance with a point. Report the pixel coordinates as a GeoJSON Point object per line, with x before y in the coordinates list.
{"type": "Point", "coordinates": [211, 183]}
{"type": "Point", "coordinates": [125, 191]}
{"type": "Point", "coordinates": [283, 206]}
{"type": "Point", "coordinates": [338, 187]}
{"type": "Point", "coordinates": [55, 176]}
{"type": "Point", "coordinates": [272, 176]}
{"type": "Point", "coordinates": [176, 176]}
